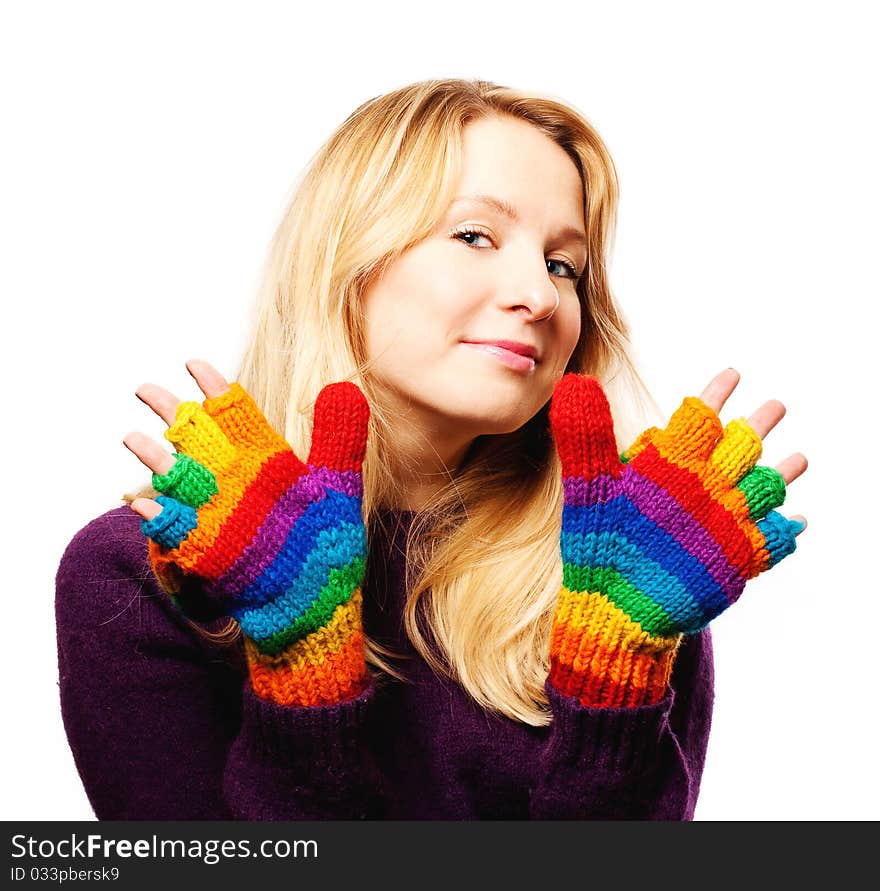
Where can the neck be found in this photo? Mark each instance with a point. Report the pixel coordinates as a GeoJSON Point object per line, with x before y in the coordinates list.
{"type": "Point", "coordinates": [424, 462]}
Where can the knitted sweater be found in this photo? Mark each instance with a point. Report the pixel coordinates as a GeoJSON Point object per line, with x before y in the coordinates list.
{"type": "Point", "coordinates": [163, 723]}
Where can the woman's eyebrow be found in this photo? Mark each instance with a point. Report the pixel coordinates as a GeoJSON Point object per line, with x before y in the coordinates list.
{"type": "Point", "coordinates": [505, 208]}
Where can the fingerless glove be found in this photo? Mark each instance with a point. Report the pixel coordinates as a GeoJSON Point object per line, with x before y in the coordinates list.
{"type": "Point", "coordinates": [655, 543]}
{"type": "Point", "coordinates": [277, 544]}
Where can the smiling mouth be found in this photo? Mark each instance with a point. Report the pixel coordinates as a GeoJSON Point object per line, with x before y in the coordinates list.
{"type": "Point", "coordinates": [506, 357]}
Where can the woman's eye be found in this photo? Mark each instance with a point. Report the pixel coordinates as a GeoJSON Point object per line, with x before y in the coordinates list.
{"type": "Point", "coordinates": [569, 268]}
{"type": "Point", "coordinates": [462, 234]}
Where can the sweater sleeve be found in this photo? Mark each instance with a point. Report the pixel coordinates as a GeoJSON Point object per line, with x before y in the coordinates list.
{"type": "Point", "coordinates": [638, 763]}
{"type": "Point", "coordinates": [162, 721]}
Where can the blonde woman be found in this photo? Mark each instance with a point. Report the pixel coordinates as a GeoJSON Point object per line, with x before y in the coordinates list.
{"type": "Point", "coordinates": [400, 569]}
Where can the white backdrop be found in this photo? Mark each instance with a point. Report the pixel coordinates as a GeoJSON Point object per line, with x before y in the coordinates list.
{"type": "Point", "coordinates": [148, 152]}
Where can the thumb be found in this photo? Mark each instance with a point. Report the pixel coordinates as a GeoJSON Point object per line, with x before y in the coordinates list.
{"type": "Point", "coordinates": [339, 431]}
{"type": "Point", "coordinates": [583, 429]}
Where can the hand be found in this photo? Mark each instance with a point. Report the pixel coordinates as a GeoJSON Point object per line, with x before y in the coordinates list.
{"type": "Point", "coordinates": [660, 545]}
{"type": "Point", "coordinates": [275, 543]}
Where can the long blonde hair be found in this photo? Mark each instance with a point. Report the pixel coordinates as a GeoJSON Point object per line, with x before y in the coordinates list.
{"type": "Point", "coordinates": [483, 561]}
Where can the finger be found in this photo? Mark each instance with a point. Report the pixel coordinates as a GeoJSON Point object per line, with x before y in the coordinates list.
{"type": "Point", "coordinates": [195, 433]}
{"type": "Point", "coordinates": [766, 417]}
{"type": "Point", "coordinates": [242, 422]}
{"type": "Point", "coordinates": [170, 526]}
{"type": "Point", "coordinates": [179, 475]}
{"type": "Point", "coordinates": [764, 489]}
{"type": "Point", "coordinates": [718, 390]}
{"type": "Point", "coordinates": [792, 467]}
{"type": "Point", "coordinates": [146, 508]}
{"type": "Point", "coordinates": [736, 453]}
{"type": "Point", "coordinates": [150, 453]}
{"type": "Point", "coordinates": [779, 535]}
{"type": "Point", "coordinates": [186, 480]}
{"type": "Point", "coordinates": [583, 430]}
{"type": "Point", "coordinates": [210, 381]}
{"type": "Point", "coordinates": [800, 518]}
{"type": "Point", "coordinates": [160, 400]}
{"type": "Point", "coordinates": [339, 429]}
{"type": "Point", "coordinates": [691, 434]}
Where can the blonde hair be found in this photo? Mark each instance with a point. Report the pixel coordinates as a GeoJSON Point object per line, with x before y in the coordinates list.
{"type": "Point", "coordinates": [483, 562]}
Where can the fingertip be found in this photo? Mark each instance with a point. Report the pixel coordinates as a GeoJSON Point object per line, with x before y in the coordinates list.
{"type": "Point", "coordinates": [137, 505]}
{"type": "Point", "coordinates": [146, 508]}
{"type": "Point", "coordinates": [210, 381]}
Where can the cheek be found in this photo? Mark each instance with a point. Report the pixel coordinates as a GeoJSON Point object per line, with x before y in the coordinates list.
{"type": "Point", "coordinates": [570, 328]}
{"type": "Point", "coordinates": [419, 316]}
{"type": "Point", "coordinates": [386, 308]}
{"type": "Point", "coordinates": [372, 326]}
{"type": "Point", "coordinates": [401, 332]}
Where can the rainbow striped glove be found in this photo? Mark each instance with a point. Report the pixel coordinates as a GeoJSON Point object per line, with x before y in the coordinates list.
{"type": "Point", "coordinates": [277, 544]}
{"type": "Point", "coordinates": [655, 543]}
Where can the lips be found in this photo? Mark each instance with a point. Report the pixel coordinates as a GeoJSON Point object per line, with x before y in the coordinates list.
{"type": "Point", "coordinates": [521, 349]}
{"type": "Point", "coordinates": [507, 357]}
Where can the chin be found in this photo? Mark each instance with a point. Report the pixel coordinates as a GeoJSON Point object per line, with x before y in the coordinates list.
{"type": "Point", "coordinates": [495, 420]}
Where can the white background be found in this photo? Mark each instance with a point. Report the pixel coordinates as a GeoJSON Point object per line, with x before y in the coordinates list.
{"type": "Point", "coordinates": [147, 155]}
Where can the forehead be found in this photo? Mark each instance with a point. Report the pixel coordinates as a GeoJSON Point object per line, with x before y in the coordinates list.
{"type": "Point", "coordinates": [517, 163]}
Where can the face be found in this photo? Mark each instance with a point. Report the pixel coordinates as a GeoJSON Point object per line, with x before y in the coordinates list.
{"type": "Point", "coordinates": [484, 276]}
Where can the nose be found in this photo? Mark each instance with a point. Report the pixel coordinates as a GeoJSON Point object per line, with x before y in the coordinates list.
{"type": "Point", "coordinates": [537, 294]}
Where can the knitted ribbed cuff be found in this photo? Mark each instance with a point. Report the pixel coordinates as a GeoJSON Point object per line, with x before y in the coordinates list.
{"type": "Point", "coordinates": [602, 658]}
{"type": "Point", "coordinates": [623, 739]}
{"type": "Point", "coordinates": [305, 737]}
{"type": "Point", "coordinates": [326, 667]}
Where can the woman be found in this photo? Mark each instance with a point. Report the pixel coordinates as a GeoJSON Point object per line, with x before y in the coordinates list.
{"type": "Point", "coordinates": [417, 433]}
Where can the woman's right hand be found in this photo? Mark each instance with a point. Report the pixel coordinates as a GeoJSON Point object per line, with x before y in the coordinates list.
{"type": "Point", "coordinates": [275, 543]}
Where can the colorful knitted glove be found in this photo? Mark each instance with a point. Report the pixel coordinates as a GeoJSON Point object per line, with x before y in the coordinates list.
{"type": "Point", "coordinates": [655, 543]}
{"type": "Point", "coordinates": [275, 543]}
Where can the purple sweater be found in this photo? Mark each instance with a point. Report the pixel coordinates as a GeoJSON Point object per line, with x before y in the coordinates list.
{"type": "Point", "coordinates": [163, 724]}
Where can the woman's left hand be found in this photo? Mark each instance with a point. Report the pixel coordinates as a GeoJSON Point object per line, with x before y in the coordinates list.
{"type": "Point", "coordinates": [659, 542]}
